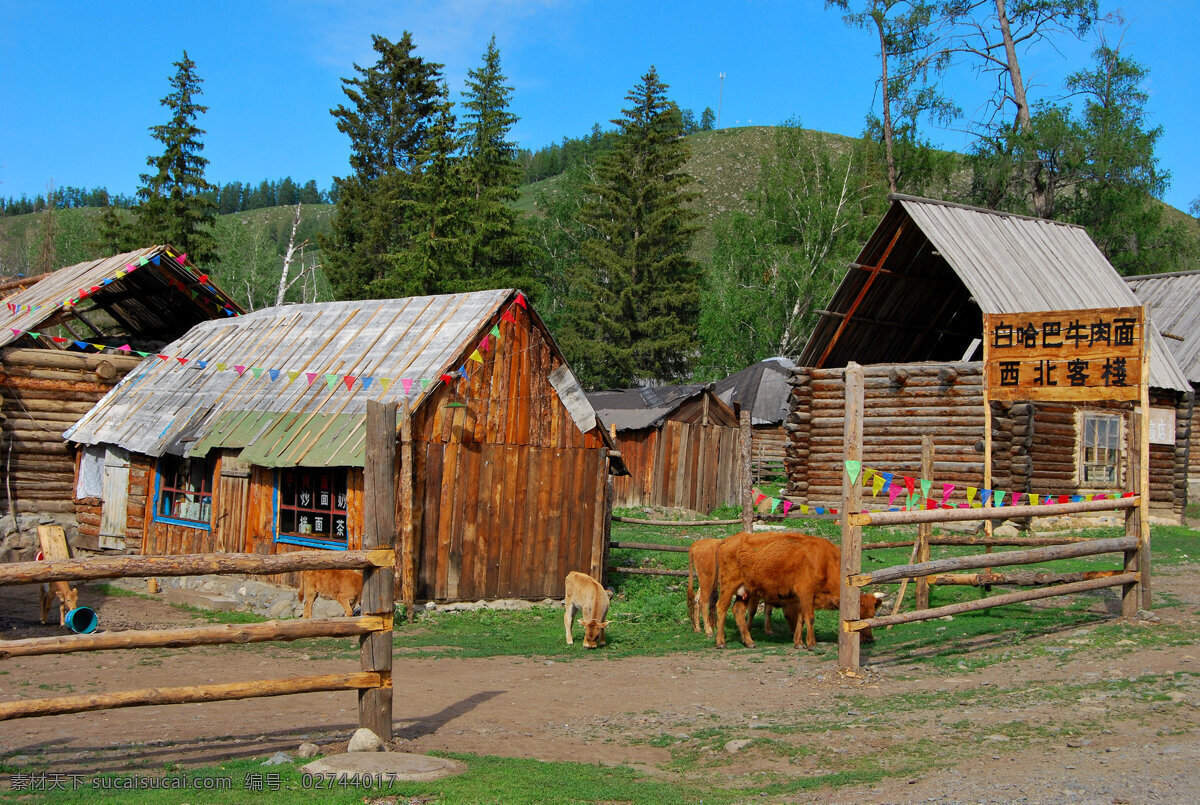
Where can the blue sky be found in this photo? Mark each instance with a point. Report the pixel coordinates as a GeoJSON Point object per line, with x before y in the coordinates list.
{"type": "Point", "coordinates": [80, 82]}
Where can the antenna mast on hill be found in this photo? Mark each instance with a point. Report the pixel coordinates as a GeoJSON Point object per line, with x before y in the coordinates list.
{"type": "Point", "coordinates": [720, 98]}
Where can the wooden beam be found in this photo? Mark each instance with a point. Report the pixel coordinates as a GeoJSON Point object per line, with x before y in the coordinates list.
{"type": "Point", "coordinates": [990, 513]}
{"type": "Point", "coordinates": [899, 325]}
{"type": "Point", "coordinates": [851, 562]}
{"type": "Point", "coordinates": [192, 636]}
{"type": "Point", "coordinates": [408, 552]}
{"type": "Point", "coordinates": [861, 294]}
{"type": "Point", "coordinates": [746, 437]}
{"type": "Point", "coordinates": [188, 694]}
{"type": "Point", "coordinates": [992, 601]}
{"type": "Point", "coordinates": [116, 567]}
{"type": "Point", "coordinates": [379, 533]}
{"type": "Point", "coordinates": [1030, 556]}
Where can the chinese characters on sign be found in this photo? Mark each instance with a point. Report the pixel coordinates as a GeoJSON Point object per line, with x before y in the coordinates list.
{"type": "Point", "coordinates": [1064, 355]}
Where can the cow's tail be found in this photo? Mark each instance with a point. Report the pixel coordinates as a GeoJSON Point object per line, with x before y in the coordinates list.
{"type": "Point", "coordinates": [691, 594]}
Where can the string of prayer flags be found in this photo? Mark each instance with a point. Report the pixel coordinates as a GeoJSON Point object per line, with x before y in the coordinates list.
{"type": "Point", "coordinates": [926, 485]}
{"type": "Point", "coordinates": [853, 468]}
{"type": "Point", "coordinates": [946, 490]}
{"type": "Point", "coordinates": [876, 485]}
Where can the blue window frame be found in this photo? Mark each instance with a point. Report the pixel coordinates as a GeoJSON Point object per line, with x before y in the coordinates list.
{"type": "Point", "coordinates": [310, 507]}
{"type": "Point", "coordinates": [183, 491]}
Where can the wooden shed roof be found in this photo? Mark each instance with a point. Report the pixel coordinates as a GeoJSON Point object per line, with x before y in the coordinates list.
{"type": "Point", "coordinates": [289, 385]}
{"type": "Point", "coordinates": [152, 296]}
{"type": "Point", "coordinates": [762, 389]}
{"type": "Point", "coordinates": [646, 406]}
{"type": "Point", "coordinates": [1174, 302]}
{"type": "Point", "coordinates": [931, 269]}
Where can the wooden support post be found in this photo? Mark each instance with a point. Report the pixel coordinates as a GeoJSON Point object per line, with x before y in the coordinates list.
{"type": "Point", "coordinates": [924, 530]}
{"type": "Point", "coordinates": [1131, 594]}
{"type": "Point", "coordinates": [848, 641]}
{"type": "Point", "coordinates": [408, 553]}
{"type": "Point", "coordinates": [747, 480]}
{"type": "Point", "coordinates": [1142, 415]}
{"type": "Point", "coordinates": [378, 597]}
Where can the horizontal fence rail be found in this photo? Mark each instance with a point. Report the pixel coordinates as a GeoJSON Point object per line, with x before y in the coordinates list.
{"type": "Point", "coordinates": [1002, 559]}
{"type": "Point", "coordinates": [216, 634]}
{"type": "Point", "coordinates": [991, 513]}
{"type": "Point", "coordinates": [198, 564]}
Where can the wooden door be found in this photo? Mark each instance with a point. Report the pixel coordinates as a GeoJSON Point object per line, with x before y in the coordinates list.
{"type": "Point", "coordinates": [115, 496]}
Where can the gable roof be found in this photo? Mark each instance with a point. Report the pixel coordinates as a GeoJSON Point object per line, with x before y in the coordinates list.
{"type": "Point", "coordinates": [265, 404]}
{"type": "Point", "coordinates": [761, 389]}
{"type": "Point", "coordinates": [153, 295]}
{"type": "Point", "coordinates": [943, 265]}
{"type": "Point", "coordinates": [1174, 302]}
{"type": "Point", "coordinates": [645, 406]}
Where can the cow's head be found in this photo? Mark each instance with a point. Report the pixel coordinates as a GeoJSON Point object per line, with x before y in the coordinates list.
{"type": "Point", "coordinates": [593, 633]}
{"type": "Point", "coordinates": [867, 610]}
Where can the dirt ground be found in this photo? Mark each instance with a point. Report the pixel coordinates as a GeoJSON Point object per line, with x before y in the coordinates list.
{"type": "Point", "coordinates": [1104, 748]}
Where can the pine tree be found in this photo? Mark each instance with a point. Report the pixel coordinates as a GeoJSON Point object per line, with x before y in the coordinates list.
{"type": "Point", "coordinates": [633, 315]}
{"type": "Point", "coordinates": [499, 250]}
{"type": "Point", "coordinates": [173, 204]}
{"type": "Point", "coordinates": [392, 121]}
{"type": "Point", "coordinates": [708, 119]}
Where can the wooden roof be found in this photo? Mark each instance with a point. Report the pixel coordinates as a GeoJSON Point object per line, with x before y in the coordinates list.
{"type": "Point", "coordinates": [149, 297]}
{"type": "Point", "coordinates": [289, 385]}
{"type": "Point", "coordinates": [1173, 301]}
{"type": "Point", "coordinates": [922, 282]}
{"type": "Point", "coordinates": [762, 389]}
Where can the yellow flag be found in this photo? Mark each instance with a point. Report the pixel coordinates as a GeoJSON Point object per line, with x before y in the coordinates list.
{"type": "Point", "coordinates": [475, 356]}
{"type": "Point", "coordinates": [876, 485]}
{"type": "Point", "coordinates": [1033, 499]}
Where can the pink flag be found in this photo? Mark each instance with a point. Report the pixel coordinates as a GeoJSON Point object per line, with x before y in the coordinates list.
{"type": "Point", "coordinates": [124, 348]}
{"type": "Point", "coordinates": [311, 377]}
{"type": "Point", "coordinates": [946, 490]}
{"type": "Point", "coordinates": [239, 370]}
{"type": "Point", "coordinates": [181, 258]}
{"type": "Point", "coordinates": [787, 504]}
{"type": "Point", "coordinates": [893, 493]}
{"type": "Point", "coordinates": [407, 383]}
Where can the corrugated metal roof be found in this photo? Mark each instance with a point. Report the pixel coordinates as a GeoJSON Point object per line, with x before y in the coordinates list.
{"type": "Point", "coordinates": [155, 302]}
{"type": "Point", "coordinates": [1174, 302]}
{"type": "Point", "coordinates": [1007, 263]}
{"type": "Point", "coordinates": [166, 406]}
{"type": "Point", "coordinates": [762, 388]}
{"type": "Point", "coordinates": [642, 407]}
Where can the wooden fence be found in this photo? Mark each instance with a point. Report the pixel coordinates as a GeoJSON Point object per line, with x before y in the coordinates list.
{"type": "Point", "coordinates": [374, 626]}
{"type": "Point", "coordinates": [1133, 577]}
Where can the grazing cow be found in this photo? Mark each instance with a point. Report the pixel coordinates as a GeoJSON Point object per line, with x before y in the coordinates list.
{"type": "Point", "coordinates": [343, 586]}
{"type": "Point", "coordinates": [68, 599]}
{"type": "Point", "coordinates": [584, 594]}
{"type": "Point", "coordinates": [802, 573]}
{"type": "Point", "coordinates": [702, 599]}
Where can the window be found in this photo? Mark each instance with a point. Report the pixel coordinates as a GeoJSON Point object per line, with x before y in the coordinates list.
{"type": "Point", "coordinates": [1101, 459]}
{"type": "Point", "coordinates": [185, 490]}
{"type": "Point", "coordinates": [312, 507]}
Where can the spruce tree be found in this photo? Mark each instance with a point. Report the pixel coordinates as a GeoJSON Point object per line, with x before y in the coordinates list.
{"type": "Point", "coordinates": [173, 204]}
{"type": "Point", "coordinates": [633, 314]}
{"type": "Point", "coordinates": [392, 121]}
{"type": "Point", "coordinates": [499, 250]}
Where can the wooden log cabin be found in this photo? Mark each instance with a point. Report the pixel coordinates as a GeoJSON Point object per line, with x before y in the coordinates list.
{"type": "Point", "coordinates": [249, 437]}
{"type": "Point", "coordinates": [681, 446]}
{"type": "Point", "coordinates": [764, 391]}
{"type": "Point", "coordinates": [910, 309]}
{"type": "Point", "coordinates": [1173, 301]}
{"type": "Point", "coordinates": [69, 337]}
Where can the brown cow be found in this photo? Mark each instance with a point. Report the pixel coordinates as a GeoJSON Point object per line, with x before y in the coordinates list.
{"type": "Point", "coordinates": [343, 586]}
{"type": "Point", "coordinates": [796, 571]}
{"type": "Point", "coordinates": [702, 563]}
{"type": "Point", "coordinates": [584, 594]}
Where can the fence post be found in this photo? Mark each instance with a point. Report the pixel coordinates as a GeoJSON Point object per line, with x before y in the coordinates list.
{"type": "Point", "coordinates": [378, 598]}
{"type": "Point", "coordinates": [924, 530]}
{"type": "Point", "coordinates": [848, 642]}
{"type": "Point", "coordinates": [1131, 594]}
{"type": "Point", "coordinates": [747, 478]}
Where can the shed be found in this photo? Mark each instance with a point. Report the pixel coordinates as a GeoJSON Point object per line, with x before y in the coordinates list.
{"type": "Point", "coordinates": [763, 390]}
{"type": "Point", "coordinates": [1174, 301]}
{"type": "Point", "coordinates": [252, 432]}
{"type": "Point", "coordinates": [911, 308]}
{"type": "Point", "coordinates": [69, 336]}
{"type": "Point", "coordinates": [680, 443]}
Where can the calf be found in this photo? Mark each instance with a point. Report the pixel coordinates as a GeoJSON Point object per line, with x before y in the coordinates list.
{"type": "Point", "coordinates": [802, 573]}
{"type": "Point", "coordinates": [584, 594]}
{"type": "Point", "coordinates": [68, 599]}
{"type": "Point", "coordinates": [702, 600]}
{"type": "Point", "coordinates": [343, 586]}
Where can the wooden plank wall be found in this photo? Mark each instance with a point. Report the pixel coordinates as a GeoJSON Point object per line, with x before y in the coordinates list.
{"type": "Point", "coordinates": [141, 487]}
{"type": "Point", "coordinates": [696, 467]}
{"type": "Point", "coordinates": [44, 392]}
{"type": "Point", "coordinates": [638, 448]}
{"type": "Point", "coordinates": [1034, 446]}
{"type": "Point", "coordinates": [530, 521]}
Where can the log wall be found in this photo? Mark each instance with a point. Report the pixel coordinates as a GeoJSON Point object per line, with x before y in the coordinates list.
{"type": "Point", "coordinates": [42, 393]}
{"type": "Point", "coordinates": [141, 488]}
{"type": "Point", "coordinates": [1035, 446]}
{"type": "Point", "coordinates": [767, 452]}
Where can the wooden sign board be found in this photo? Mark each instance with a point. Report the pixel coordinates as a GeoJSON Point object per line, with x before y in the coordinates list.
{"type": "Point", "coordinates": [1162, 426]}
{"type": "Point", "coordinates": [1067, 355]}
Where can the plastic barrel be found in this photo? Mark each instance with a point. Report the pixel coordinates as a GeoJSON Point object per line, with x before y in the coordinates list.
{"type": "Point", "coordinates": [82, 620]}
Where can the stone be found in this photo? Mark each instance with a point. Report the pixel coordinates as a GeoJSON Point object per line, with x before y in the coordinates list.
{"type": "Point", "coordinates": [737, 745]}
{"type": "Point", "coordinates": [307, 750]}
{"type": "Point", "coordinates": [277, 759]}
{"type": "Point", "coordinates": [384, 767]}
{"type": "Point", "coordinates": [1007, 531]}
{"type": "Point", "coordinates": [365, 740]}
